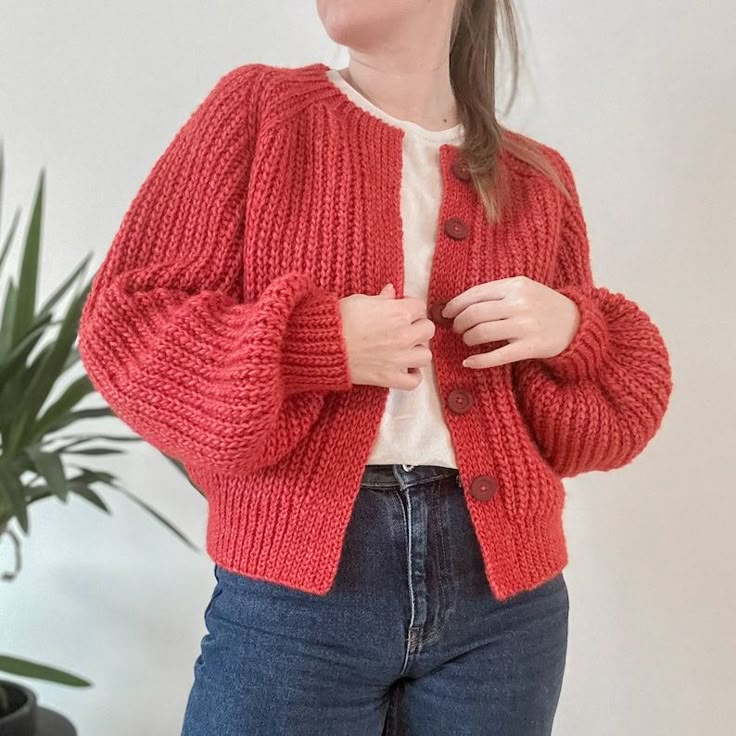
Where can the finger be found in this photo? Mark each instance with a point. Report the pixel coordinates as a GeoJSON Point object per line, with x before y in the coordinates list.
{"type": "Point", "coordinates": [420, 356]}
{"type": "Point", "coordinates": [487, 291]}
{"type": "Point", "coordinates": [497, 330]}
{"type": "Point", "coordinates": [479, 312]}
{"type": "Point", "coordinates": [406, 380]}
{"type": "Point", "coordinates": [422, 330]}
{"type": "Point", "coordinates": [510, 353]}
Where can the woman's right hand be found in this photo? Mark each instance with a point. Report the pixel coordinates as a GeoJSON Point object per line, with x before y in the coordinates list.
{"type": "Point", "coordinates": [387, 338]}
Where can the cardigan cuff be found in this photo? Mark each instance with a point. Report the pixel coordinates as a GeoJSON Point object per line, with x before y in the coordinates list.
{"type": "Point", "coordinates": [590, 348]}
{"type": "Point", "coordinates": [313, 348]}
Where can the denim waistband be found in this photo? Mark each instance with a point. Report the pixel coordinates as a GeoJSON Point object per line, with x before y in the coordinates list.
{"type": "Point", "coordinates": [405, 476]}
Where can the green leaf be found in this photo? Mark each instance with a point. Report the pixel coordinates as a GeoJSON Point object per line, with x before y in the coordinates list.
{"type": "Point", "coordinates": [8, 317]}
{"type": "Point", "coordinates": [49, 304]}
{"type": "Point", "coordinates": [51, 467]}
{"type": "Point", "coordinates": [72, 358]}
{"type": "Point", "coordinates": [88, 494]}
{"type": "Point", "coordinates": [95, 451]}
{"type": "Point", "coordinates": [92, 476]}
{"type": "Point", "coordinates": [74, 416]}
{"type": "Point", "coordinates": [13, 491]}
{"type": "Point", "coordinates": [37, 493]}
{"type": "Point", "coordinates": [41, 491]}
{"type": "Point", "coordinates": [48, 373]}
{"type": "Point", "coordinates": [39, 671]}
{"type": "Point", "coordinates": [11, 410]}
{"type": "Point", "coordinates": [28, 279]}
{"type": "Point", "coordinates": [9, 238]}
{"type": "Point", "coordinates": [73, 394]}
{"type": "Point", "coordinates": [79, 439]}
{"type": "Point", "coordinates": [89, 476]}
{"type": "Point", "coordinates": [16, 356]}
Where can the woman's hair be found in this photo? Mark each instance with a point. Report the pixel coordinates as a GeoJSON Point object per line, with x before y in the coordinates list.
{"type": "Point", "coordinates": [475, 33]}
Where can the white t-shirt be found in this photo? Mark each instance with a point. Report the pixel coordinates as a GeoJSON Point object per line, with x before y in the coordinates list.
{"type": "Point", "coordinates": [413, 429]}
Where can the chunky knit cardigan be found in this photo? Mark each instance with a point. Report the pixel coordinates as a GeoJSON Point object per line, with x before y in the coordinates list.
{"type": "Point", "coordinates": [213, 330]}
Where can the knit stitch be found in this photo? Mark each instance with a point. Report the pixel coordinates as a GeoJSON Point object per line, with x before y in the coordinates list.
{"type": "Point", "coordinates": [213, 330]}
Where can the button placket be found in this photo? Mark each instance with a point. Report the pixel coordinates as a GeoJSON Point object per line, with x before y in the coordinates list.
{"type": "Point", "coordinates": [456, 228]}
{"type": "Point", "coordinates": [435, 312]}
{"type": "Point", "coordinates": [483, 487]}
{"type": "Point", "coordinates": [460, 168]}
{"type": "Point", "coordinates": [459, 400]}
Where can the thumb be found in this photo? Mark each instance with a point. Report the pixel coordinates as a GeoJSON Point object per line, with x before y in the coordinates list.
{"type": "Point", "coordinates": [388, 291]}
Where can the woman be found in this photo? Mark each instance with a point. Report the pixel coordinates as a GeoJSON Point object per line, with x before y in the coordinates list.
{"type": "Point", "coordinates": [362, 314]}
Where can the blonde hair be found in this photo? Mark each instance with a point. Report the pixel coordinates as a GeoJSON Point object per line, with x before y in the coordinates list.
{"type": "Point", "coordinates": [473, 50]}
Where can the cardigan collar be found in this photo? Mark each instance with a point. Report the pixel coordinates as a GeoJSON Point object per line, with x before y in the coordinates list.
{"type": "Point", "coordinates": [448, 135]}
{"type": "Point", "coordinates": [311, 83]}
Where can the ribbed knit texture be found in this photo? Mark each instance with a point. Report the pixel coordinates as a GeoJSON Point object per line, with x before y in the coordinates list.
{"type": "Point", "coordinates": [213, 330]}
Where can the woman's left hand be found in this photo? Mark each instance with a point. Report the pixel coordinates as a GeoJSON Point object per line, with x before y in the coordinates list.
{"type": "Point", "coordinates": [537, 321]}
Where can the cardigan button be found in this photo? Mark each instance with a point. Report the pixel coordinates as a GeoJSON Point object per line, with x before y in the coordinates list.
{"type": "Point", "coordinates": [459, 400]}
{"type": "Point", "coordinates": [456, 228]}
{"type": "Point", "coordinates": [435, 312]}
{"type": "Point", "coordinates": [460, 168]}
{"type": "Point", "coordinates": [483, 487]}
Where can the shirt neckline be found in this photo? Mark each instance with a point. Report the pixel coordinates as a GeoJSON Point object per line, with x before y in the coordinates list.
{"type": "Point", "coordinates": [333, 77]}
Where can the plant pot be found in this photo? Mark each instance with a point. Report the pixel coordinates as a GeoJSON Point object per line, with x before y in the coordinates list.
{"type": "Point", "coordinates": [20, 718]}
{"type": "Point", "coordinates": [27, 718]}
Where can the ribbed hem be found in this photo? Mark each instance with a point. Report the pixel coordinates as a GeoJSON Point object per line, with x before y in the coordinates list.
{"type": "Point", "coordinates": [520, 555]}
{"type": "Point", "coordinates": [589, 349]}
{"type": "Point", "coordinates": [259, 530]}
{"type": "Point", "coordinates": [284, 538]}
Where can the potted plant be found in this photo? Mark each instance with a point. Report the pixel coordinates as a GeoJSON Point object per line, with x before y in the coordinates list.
{"type": "Point", "coordinates": [38, 444]}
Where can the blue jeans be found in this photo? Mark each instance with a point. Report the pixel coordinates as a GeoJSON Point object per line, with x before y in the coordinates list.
{"type": "Point", "coordinates": [409, 640]}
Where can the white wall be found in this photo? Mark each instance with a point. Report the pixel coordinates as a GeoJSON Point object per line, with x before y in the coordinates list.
{"type": "Point", "coordinates": [639, 97]}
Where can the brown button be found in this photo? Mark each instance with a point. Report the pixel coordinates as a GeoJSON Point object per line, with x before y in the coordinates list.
{"type": "Point", "coordinates": [460, 168]}
{"type": "Point", "coordinates": [456, 228]}
{"type": "Point", "coordinates": [435, 312]}
{"type": "Point", "coordinates": [459, 400]}
{"type": "Point", "coordinates": [483, 487]}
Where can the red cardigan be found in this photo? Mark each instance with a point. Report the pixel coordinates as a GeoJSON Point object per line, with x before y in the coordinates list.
{"type": "Point", "coordinates": [213, 331]}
